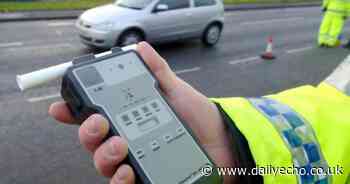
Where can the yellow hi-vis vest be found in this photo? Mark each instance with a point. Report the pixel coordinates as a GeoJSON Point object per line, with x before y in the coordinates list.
{"type": "Point", "coordinates": [306, 129]}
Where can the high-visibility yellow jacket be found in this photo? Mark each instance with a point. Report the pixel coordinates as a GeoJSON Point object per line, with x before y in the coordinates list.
{"type": "Point", "coordinates": [306, 127]}
{"type": "Point", "coordinates": [325, 3]}
{"type": "Point", "coordinates": [337, 6]}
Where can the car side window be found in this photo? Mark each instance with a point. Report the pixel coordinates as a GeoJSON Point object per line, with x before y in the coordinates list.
{"type": "Point", "coordinates": [199, 3]}
{"type": "Point", "coordinates": [175, 4]}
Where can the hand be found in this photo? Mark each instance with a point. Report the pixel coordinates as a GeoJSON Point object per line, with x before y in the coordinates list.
{"type": "Point", "coordinates": [202, 116]}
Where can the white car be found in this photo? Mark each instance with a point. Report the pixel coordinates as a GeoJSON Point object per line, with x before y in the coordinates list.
{"type": "Point", "coordinates": [130, 21]}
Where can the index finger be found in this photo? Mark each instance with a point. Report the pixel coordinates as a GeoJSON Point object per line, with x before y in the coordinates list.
{"type": "Point", "coordinates": [61, 112]}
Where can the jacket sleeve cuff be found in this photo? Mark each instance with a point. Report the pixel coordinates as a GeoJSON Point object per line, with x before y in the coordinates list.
{"type": "Point", "coordinates": [241, 149]}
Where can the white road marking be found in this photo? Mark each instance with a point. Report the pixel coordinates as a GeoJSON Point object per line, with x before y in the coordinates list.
{"type": "Point", "coordinates": [272, 21]}
{"type": "Point", "coordinates": [58, 32]}
{"type": "Point", "coordinates": [60, 24]}
{"type": "Point", "coordinates": [11, 44]}
{"type": "Point", "coordinates": [49, 46]}
{"type": "Point", "coordinates": [44, 98]}
{"type": "Point", "coordinates": [188, 70]}
{"type": "Point", "coordinates": [244, 60]}
{"type": "Point", "coordinates": [292, 51]}
{"type": "Point", "coordinates": [340, 76]}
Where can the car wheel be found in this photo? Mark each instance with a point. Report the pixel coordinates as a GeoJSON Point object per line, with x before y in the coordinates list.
{"type": "Point", "coordinates": [130, 37]}
{"type": "Point", "coordinates": [211, 35]}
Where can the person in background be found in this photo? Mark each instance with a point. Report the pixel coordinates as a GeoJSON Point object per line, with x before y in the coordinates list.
{"type": "Point", "coordinates": [335, 14]}
{"type": "Point", "coordinates": [307, 127]}
{"type": "Point", "coordinates": [347, 45]}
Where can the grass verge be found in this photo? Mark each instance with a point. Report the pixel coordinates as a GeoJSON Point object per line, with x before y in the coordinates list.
{"type": "Point", "coordinates": [8, 6]}
{"type": "Point", "coordinates": [234, 2]}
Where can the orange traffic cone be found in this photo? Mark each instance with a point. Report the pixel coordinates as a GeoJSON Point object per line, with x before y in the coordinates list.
{"type": "Point", "coordinates": [268, 55]}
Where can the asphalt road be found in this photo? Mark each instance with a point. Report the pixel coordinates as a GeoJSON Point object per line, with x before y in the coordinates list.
{"type": "Point", "coordinates": [36, 150]}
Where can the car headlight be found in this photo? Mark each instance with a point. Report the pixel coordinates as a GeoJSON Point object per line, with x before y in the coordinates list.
{"type": "Point", "coordinates": [107, 26]}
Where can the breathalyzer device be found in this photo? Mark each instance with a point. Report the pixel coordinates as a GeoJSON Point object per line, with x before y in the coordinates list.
{"type": "Point", "coordinates": [162, 150]}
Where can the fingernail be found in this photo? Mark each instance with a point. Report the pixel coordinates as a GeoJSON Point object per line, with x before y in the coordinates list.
{"type": "Point", "coordinates": [112, 149]}
{"type": "Point", "coordinates": [122, 174]}
{"type": "Point", "coordinates": [93, 127]}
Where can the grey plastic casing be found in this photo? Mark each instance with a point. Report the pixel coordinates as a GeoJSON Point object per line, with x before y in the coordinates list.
{"type": "Point", "coordinates": [162, 149]}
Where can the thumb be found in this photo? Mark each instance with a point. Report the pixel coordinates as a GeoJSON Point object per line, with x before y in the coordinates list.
{"type": "Point", "coordinates": [166, 77]}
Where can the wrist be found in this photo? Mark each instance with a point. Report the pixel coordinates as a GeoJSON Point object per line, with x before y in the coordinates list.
{"type": "Point", "coordinates": [238, 148]}
{"type": "Point", "coordinates": [223, 150]}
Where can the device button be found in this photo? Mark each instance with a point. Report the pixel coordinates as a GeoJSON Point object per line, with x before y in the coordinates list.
{"type": "Point", "coordinates": [136, 113]}
{"type": "Point", "coordinates": [126, 120]}
{"type": "Point", "coordinates": [155, 106]}
{"type": "Point", "coordinates": [154, 145]}
{"type": "Point", "coordinates": [145, 109]}
{"type": "Point", "coordinates": [180, 131]}
{"type": "Point", "coordinates": [140, 154]}
{"type": "Point", "coordinates": [125, 117]}
{"type": "Point", "coordinates": [127, 123]}
{"type": "Point", "coordinates": [167, 138]}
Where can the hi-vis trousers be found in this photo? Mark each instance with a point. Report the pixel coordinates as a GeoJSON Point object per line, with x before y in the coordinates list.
{"type": "Point", "coordinates": [331, 28]}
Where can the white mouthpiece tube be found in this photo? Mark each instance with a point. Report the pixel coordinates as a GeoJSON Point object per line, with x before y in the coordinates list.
{"type": "Point", "coordinates": [43, 76]}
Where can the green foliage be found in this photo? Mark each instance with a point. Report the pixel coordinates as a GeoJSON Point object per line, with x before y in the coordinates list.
{"type": "Point", "coordinates": [11, 6]}
{"type": "Point", "coordinates": [268, 1]}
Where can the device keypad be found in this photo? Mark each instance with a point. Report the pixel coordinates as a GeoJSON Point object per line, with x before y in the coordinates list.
{"type": "Point", "coordinates": [155, 145]}
{"type": "Point", "coordinates": [143, 111]}
{"type": "Point", "coordinates": [144, 118]}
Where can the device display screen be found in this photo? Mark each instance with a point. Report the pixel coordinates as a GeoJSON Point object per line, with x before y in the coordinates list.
{"type": "Point", "coordinates": [126, 67]}
{"type": "Point", "coordinates": [89, 76]}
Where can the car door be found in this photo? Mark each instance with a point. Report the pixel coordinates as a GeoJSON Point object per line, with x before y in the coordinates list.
{"type": "Point", "coordinates": [203, 12]}
{"type": "Point", "coordinates": [170, 23]}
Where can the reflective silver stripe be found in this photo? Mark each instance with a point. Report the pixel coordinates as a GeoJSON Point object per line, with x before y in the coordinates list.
{"type": "Point", "coordinates": [340, 78]}
{"type": "Point", "coordinates": [337, 11]}
{"type": "Point", "coordinates": [299, 138]}
{"type": "Point", "coordinates": [329, 38]}
{"type": "Point", "coordinates": [342, 1]}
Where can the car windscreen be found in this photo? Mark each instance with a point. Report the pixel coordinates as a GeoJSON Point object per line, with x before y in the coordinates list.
{"type": "Point", "coordinates": [133, 4]}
